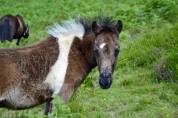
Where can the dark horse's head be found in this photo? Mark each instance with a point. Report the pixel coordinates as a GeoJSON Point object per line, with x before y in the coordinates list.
{"type": "Point", "coordinates": [106, 49]}
{"type": "Point", "coordinates": [24, 28]}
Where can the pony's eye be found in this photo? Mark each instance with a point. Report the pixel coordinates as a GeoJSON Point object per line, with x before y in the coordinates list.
{"type": "Point", "coordinates": [116, 51]}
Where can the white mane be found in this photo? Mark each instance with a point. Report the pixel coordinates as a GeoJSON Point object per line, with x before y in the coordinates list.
{"type": "Point", "coordinates": [70, 27]}
{"type": "Point", "coordinates": [65, 33]}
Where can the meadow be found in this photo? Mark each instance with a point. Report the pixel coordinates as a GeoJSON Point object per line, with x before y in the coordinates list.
{"type": "Point", "coordinates": [145, 81]}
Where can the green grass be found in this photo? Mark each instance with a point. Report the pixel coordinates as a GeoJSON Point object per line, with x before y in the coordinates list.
{"type": "Point", "coordinates": [149, 37]}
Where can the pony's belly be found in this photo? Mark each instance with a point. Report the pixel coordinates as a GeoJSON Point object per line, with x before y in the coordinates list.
{"type": "Point", "coordinates": [23, 98]}
{"type": "Point", "coordinates": [17, 99]}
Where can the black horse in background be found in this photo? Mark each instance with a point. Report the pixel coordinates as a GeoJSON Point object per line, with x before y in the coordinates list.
{"type": "Point", "coordinates": [13, 27]}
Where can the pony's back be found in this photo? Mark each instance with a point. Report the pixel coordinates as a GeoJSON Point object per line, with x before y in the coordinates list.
{"type": "Point", "coordinates": [5, 29]}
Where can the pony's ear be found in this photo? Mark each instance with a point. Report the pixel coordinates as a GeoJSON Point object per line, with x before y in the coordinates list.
{"type": "Point", "coordinates": [95, 27]}
{"type": "Point", "coordinates": [119, 26]}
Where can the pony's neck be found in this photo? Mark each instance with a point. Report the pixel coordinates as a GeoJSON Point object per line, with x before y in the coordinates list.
{"type": "Point", "coordinates": [87, 46]}
{"type": "Point", "coordinates": [81, 62]}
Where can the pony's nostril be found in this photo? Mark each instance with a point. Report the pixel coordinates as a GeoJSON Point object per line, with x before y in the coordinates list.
{"type": "Point", "coordinates": [103, 82]}
{"type": "Point", "coordinates": [109, 75]}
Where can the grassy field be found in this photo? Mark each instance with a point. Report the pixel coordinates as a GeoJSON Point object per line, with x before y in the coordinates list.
{"type": "Point", "coordinates": [145, 81]}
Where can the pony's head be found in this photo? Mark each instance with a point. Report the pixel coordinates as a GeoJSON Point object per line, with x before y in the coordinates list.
{"type": "Point", "coordinates": [26, 31]}
{"type": "Point", "coordinates": [23, 28]}
{"type": "Point", "coordinates": [106, 49]}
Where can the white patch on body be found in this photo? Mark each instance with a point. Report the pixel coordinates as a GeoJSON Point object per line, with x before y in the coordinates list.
{"type": "Point", "coordinates": [65, 34]}
{"type": "Point", "coordinates": [102, 45]}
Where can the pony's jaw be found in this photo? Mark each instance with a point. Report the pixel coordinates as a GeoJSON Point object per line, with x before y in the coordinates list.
{"type": "Point", "coordinates": [26, 35]}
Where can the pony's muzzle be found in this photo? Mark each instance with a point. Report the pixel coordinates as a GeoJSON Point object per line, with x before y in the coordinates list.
{"type": "Point", "coordinates": [105, 80]}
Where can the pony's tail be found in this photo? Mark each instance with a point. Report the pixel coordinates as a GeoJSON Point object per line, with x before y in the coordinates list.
{"type": "Point", "coordinates": [67, 30]}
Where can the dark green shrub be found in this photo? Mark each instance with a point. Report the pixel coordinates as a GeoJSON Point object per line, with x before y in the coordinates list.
{"type": "Point", "coordinates": [165, 9]}
{"type": "Point", "coordinates": [166, 69]}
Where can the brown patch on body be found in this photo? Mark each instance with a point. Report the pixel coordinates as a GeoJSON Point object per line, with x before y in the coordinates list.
{"type": "Point", "coordinates": [23, 72]}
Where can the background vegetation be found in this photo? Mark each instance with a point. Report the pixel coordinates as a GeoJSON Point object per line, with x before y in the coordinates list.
{"type": "Point", "coordinates": [145, 80]}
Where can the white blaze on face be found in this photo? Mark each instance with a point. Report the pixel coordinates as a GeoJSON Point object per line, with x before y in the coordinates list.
{"type": "Point", "coordinates": [102, 45]}
{"type": "Point", "coordinates": [65, 35]}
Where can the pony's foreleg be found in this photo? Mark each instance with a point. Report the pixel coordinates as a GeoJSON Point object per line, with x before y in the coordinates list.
{"type": "Point", "coordinates": [2, 103]}
{"type": "Point", "coordinates": [18, 41]}
{"type": "Point", "coordinates": [49, 107]}
{"type": "Point", "coordinates": [65, 94]}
